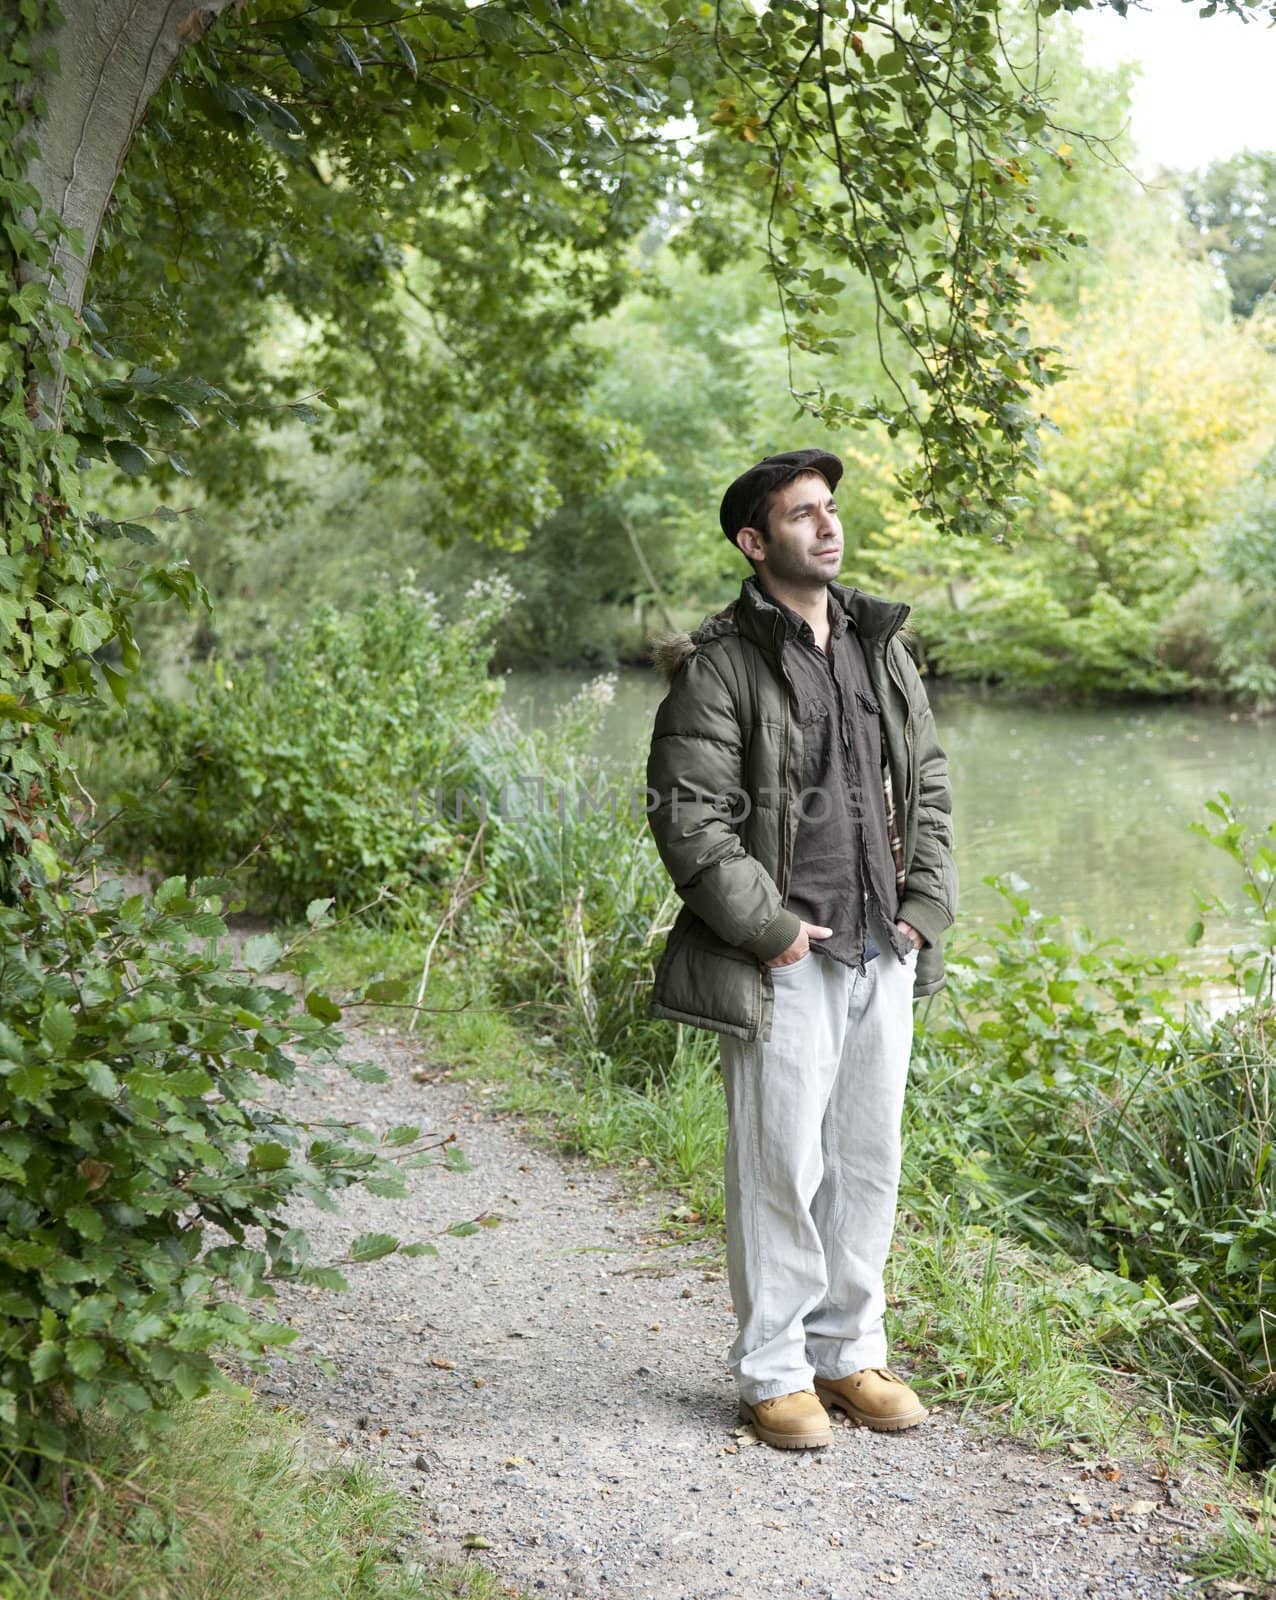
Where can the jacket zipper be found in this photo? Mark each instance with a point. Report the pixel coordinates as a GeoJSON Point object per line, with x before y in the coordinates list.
{"type": "Point", "coordinates": [785, 852]}
{"type": "Point", "coordinates": [786, 855]}
{"type": "Point", "coordinates": [908, 731]}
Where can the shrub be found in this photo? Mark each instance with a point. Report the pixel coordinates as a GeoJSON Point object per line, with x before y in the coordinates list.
{"type": "Point", "coordinates": [136, 1065]}
{"type": "Point", "coordinates": [1224, 630]}
{"type": "Point", "coordinates": [310, 762]}
{"type": "Point", "coordinates": [1067, 1098]}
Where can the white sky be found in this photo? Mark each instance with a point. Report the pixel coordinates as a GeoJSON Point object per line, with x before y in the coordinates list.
{"type": "Point", "coordinates": [1208, 84]}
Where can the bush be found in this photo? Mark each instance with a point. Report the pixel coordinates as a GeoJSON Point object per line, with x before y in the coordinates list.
{"type": "Point", "coordinates": [134, 1061]}
{"type": "Point", "coordinates": [1068, 1100]}
{"type": "Point", "coordinates": [1224, 628]}
{"type": "Point", "coordinates": [312, 762]}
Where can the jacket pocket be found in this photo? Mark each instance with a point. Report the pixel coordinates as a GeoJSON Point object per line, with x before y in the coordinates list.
{"type": "Point", "coordinates": [702, 980]}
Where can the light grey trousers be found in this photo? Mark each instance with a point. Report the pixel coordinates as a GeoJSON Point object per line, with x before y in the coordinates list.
{"type": "Point", "coordinates": [812, 1170]}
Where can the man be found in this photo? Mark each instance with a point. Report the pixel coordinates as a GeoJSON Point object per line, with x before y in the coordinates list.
{"type": "Point", "coordinates": [800, 800]}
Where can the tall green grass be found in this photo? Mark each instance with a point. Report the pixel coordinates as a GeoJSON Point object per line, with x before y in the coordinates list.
{"type": "Point", "coordinates": [236, 1501]}
{"type": "Point", "coordinates": [573, 899]}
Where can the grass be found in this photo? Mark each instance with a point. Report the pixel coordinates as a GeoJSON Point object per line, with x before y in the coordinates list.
{"type": "Point", "coordinates": [1246, 1545]}
{"type": "Point", "coordinates": [982, 1314]}
{"type": "Point", "coordinates": [232, 1503]}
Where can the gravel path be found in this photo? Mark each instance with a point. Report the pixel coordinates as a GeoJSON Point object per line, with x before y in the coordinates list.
{"type": "Point", "coordinates": [554, 1392]}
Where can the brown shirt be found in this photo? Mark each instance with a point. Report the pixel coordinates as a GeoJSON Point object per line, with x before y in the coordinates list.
{"type": "Point", "coordinates": [842, 858]}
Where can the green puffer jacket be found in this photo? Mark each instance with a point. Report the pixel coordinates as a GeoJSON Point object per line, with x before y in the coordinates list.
{"type": "Point", "coordinates": [728, 724]}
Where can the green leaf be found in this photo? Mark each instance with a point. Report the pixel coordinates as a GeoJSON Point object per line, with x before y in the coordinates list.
{"type": "Point", "coordinates": [405, 51]}
{"type": "Point", "coordinates": [117, 682]}
{"type": "Point", "coordinates": [324, 1278]}
{"type": "Point", "coordinates": [89, 629]}
{"type": "Point", "coordinates": [142, 1329]}
{"type": "Point", "coordinates": [84, 1357]}
{"type": "Point", "coordinates": [407, 1133]}
{"type": "Point", "coordinates": [99, 1077]}
{"type": "Point", "coordinates": [57, 1027]}
{"type": "Point", "coordinates": [269, 1156]}
{"type": "Point", "coordinates": [261, 952]}
{"type": "Point", "coordinates": [367, 1072]}
{"type": "Point", "coordinates": [303, 65]}
{"type": "Point", "coordinates": [45, 1360]}
{"type": "Point", "coordinates": [389, 1186]}
{"type": "Point", "coordinates": [188, 1383]}
{"type": "Point", "coordinates": [319, 1005]}
{"type": "Point", "coordinates": [171, 895]}
{"type": "Point", "coordinates": [26, 304]}
{"type": "Point", "coordinates": [27, 1252]}
{"type": "Point", "coordinates": [418, 1250]}
{"type": "Point", "coordinates": [86, 1220]}
{"type": "Point", "coordinates": [372, 1246]}
{"type": "Point", "coordinates": [13, 709]}
{"type": "Point", "coordinates": [387, 989]}
{"type": "Point", "coordinates": [129, 457]}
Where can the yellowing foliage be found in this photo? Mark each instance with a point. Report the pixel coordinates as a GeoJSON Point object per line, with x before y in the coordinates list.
{"type": "Point", "coordinates": [1169, 403]}
{"type": "Point", "coordinates": [1168, 408]}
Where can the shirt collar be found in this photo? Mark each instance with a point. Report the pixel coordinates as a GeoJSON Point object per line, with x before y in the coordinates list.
{"type": "Point", "coordinates": [798, 627]}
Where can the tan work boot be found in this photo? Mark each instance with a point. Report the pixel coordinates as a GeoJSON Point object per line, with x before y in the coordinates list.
{"type": "Point", "coordinates": [789, 1421]}
{"type": "Point", "coordinates": [874, 1398]}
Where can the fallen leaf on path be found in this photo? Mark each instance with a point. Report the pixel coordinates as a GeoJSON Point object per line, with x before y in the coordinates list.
{"type": "Point", "coordinates": [445, 1362]}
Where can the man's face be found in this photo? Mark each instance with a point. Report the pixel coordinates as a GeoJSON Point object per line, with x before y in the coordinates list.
{"type": "Point", "coordinates": [804, 546]}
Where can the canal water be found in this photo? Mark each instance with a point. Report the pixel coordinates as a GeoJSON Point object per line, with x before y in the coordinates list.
{"type": "Point", "coordinates": [1090, 807]}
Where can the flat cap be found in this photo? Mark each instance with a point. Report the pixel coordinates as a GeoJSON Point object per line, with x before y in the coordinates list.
{"type": "Point", "coordinates": [742, 503]}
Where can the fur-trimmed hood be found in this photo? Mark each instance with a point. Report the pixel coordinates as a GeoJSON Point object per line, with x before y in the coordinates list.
{"type": "Point", "coordinates": [755, 616]}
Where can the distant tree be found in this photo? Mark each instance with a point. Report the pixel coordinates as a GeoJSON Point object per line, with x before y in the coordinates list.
{"type": "Point", "coordinates": [1232, 206]}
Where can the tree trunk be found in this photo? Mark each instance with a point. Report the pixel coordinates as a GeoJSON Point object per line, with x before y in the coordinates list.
{"type": "Point", "coordinates": [112, 56]}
